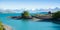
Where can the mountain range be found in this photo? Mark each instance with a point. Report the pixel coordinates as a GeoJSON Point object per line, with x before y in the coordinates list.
{"type": "Point", "coordinates": [30, 10]}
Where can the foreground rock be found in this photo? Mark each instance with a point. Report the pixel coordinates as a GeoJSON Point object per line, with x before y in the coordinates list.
{"type": "Point", "coordinates": [6, 27]}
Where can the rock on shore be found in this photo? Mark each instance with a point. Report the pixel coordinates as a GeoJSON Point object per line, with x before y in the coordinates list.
{"type": "Point", "coordinates": [7, 27]}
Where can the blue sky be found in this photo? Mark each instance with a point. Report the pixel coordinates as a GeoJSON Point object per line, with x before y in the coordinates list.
{"type": "Point", "coordinates": [29, 4]}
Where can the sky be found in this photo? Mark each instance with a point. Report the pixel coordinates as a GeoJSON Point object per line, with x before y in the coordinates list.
{"type": "Point", "coordinates": [29, 4]}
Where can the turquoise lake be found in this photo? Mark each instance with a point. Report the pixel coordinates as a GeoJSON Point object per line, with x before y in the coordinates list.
{"type": "Point", "coordinates": [27, 25]}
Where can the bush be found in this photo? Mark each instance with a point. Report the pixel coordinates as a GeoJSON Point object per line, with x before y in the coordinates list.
{"type": "Point", "coordinates": [25, 14]}
{"type": "Point", "coordinates": [56, 15]}
{"type": "Point", "coordinates": [1, 26]}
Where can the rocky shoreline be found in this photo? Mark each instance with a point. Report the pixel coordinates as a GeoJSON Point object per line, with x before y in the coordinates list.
{"type": "Point", "coordinates": [6, 27]}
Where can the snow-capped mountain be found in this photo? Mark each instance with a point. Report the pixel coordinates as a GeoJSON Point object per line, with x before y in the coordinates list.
{"type": "Point", "coordinates": [30, 10]}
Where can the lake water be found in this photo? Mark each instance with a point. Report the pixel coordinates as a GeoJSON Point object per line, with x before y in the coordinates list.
{"type": "Point", "coordinates": [27, 25]}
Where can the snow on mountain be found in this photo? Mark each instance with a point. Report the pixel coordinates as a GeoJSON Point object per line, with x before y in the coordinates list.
{"type": "Point", "coordinates": [30, 10]}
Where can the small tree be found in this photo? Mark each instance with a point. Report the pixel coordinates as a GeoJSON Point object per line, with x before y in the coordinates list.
{"type": "Point", "coordinates": [56, 15]}
{"type": "Point", "coordinates": [25, 14]}
{"type": "Point", "coordinates": [49, 12]}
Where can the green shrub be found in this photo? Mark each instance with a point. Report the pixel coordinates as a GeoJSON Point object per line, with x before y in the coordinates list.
{"type": "Point", "coordinates": [1, 26]}
{"type": "Point", "coordinates": [25, 14]}
{"type": "Point", "coordinates": [56, 15]}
